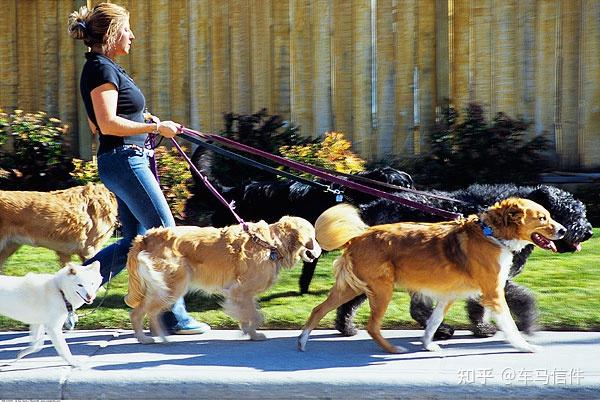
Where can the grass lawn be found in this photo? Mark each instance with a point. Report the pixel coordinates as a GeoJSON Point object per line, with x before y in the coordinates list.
{"type": "Point", "coordinates": [567, 288]}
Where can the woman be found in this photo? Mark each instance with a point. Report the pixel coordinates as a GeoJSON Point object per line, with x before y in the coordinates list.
{"type": "Point", "coordinates": [115, 107]}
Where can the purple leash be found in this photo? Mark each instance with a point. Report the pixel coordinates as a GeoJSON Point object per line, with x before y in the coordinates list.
{"type": "Point", "coordinates": [210, 186]}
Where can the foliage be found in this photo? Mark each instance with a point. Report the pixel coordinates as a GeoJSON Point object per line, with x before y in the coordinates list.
{"type": "Point", "coordinates": [4, 127]}
{"type": "Point", "coordinates": [334, 153]}
{"type": "Point", "coordinates": [565, 285]}
{"type": "Point", "coordinates": [259, 130]}
{"type": "Point", "coordinates": [472, 150]}
{"type": "Point", "coordinates": [85, 171]}
{"type": "Point", "coordinates": [33, 151]}
{"type": "Point", "coordinates": [175, 179]}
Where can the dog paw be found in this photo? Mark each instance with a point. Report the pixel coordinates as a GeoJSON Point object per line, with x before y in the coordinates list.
{"type": "Point", "coordinates": [484, 330]}
{"type": "Point", "coordinates": [529, 348]}
{"type": "Point", "coordinates": [302, 339]}
{"type": "Point", "coordinates": [433, 347]}
{"type": "Point", "coordinates": [257, 336]}
{"type": "Point", "coordinates": [443, 332]}
{"type": "Point", "coordinates": [145, 339]}
{"type": "Point", "coordinates": [347, 330]}
{"type": "Point", "coordinates": [399, 349]}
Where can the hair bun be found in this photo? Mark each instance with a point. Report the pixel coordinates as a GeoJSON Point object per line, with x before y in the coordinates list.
{"type": "Point", "coordinates": [78, 23]}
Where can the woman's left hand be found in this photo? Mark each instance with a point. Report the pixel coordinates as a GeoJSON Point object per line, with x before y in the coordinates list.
{"type": "Point", "coordinates": [168, 128]}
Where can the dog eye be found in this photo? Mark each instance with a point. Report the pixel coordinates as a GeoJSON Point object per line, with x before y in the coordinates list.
{"type": "Point", "coordinates": [309, 245]}
{"type": "Point", "coordinates": [543, 218]}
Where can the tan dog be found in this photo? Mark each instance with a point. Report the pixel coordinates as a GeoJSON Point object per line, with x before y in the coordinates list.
{"type": "Point", "coordinates": [446, 261]}
{"type": "Point", "coordinates": [165, 263]}
{"type": "Point", "coordinates": [78, 220]}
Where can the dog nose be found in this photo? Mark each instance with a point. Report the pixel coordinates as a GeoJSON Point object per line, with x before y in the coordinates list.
{"type": "Point", "coordinates": [561, 232]}
{"type": "Point", "coordinates": [588, 235]}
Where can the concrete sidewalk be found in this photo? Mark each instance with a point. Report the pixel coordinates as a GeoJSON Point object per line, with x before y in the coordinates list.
{"type": "Point", "coordinates": [224, 365]}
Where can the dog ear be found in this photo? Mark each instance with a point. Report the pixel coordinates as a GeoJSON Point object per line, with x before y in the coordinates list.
{"type": "Point", "coordinates": [94, 265]}
{"type": "Point", "coordinates": [513, 213]}
{"type": "Point", "coordinates": [72, 268]}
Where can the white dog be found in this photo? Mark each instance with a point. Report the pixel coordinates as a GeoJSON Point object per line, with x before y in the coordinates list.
{"type": "Point", "coordinates": [45, 300]}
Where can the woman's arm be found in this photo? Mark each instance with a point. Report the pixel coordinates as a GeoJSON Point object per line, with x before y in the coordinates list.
{"type": "Point", "coordinates": [92, 127]}
{"type": "Point", "coordinates": [104, 100]}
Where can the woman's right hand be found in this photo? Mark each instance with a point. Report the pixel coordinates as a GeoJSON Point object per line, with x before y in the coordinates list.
{"type": "Point", "coordinates": [168, 128]}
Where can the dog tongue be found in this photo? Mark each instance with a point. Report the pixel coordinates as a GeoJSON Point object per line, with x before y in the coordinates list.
{"type": "Point", "coordinates": [543, 242]}
{"type": "Point", "coordinates": [577, 246]}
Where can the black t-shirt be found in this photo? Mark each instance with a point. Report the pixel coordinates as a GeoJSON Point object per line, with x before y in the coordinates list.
{"type": "Point", "coordinates": [131, 103]}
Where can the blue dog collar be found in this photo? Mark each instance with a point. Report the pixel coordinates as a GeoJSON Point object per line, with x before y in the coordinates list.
{"type": "Point", "coordinates": [487, 230]}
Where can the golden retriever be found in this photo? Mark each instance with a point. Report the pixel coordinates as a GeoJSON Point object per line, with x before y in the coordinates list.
{"type": "Point", "coordinates": [167, 262]}
{"type": "Point", "coordinates": [446, 261]}
{"type": "Point", "coordinates": [78, 220]}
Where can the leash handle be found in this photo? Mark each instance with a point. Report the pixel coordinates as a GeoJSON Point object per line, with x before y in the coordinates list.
{"type": "Point", "coordinates": [319, 173]}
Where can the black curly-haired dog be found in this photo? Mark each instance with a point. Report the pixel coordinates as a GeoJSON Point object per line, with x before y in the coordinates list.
{"type": "Point", "coordinates": [270, 200]}
{"type": "Point", "coordinates": [563, 207]}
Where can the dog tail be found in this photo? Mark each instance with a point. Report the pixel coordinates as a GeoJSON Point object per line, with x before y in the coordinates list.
{"type": "Point", "coordinates": [142, 277]}
{"type": "Point", "coordinates": [337, 225]}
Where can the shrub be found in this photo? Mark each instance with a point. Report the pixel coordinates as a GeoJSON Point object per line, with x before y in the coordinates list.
{"type": "Point", "coordinates": [4, 127]}
{"type": "Point", "coordinates": [33, 151]}
{"type": "Point", "coordinates": [175, 179]}
{"type": "Point", "coordinates": [85, 171]}
{"type": "Point", "coordinates": [258, 130]}
{"type": "Point", "coordinates": [475, 151]}
{"type": "Point", "coordinates": [334, 153]}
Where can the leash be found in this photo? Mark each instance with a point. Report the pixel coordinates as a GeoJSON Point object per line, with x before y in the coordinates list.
{"type": "Point", "coordinates": [196, 136]}
{"type": "Point", "coordinates": [325, 187]}
{"type": "Point", "coordinates": [262, 166]}
{"type": "Point", "coordinates": [357, 178]}
{"type": "Point", "coordinates": [274, 254]}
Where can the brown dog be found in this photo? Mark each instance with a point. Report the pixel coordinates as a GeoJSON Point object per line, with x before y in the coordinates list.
{"type": "Point", "coordinates": [446, 261]}
{"type": "Point", "coordinates": [167, 262]}
{"type": "Point", "coordinates": [78, 220]}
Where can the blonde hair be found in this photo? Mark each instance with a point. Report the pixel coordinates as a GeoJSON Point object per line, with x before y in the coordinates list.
{"type": "Point", "coordinates": [98, 26]}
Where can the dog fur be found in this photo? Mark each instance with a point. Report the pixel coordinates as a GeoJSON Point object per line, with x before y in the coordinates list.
{"type": "Point", "coordinates": [563, 207]}
{"type": "Point", "coordinates": [36, 299]}
{"type": "Point", "coordinates": [446, 261]}
{"type": "Point", "coordinates": [165, 263]}
{"type": "Point", "coordinates": [270, 200]}
{"type": "Point", "coordinates": [78, 220]}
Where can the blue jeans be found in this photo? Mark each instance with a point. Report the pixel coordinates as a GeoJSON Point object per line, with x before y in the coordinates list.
{"type": "Point", "coordinates": [126, 172]}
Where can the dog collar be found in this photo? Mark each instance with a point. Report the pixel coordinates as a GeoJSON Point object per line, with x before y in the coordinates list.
{"type": "Point", "coordinates": [488, 232]}
{"type": "Point", "coordinates": [68, 305]}
{"type": "Point", "coordinates": [274, 254]}
{"type": "Point", "coordinates": [72, 318]}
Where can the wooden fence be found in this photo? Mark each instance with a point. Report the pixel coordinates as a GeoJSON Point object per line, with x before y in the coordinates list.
{"type": "Point", "coordinates": [376, 70]}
